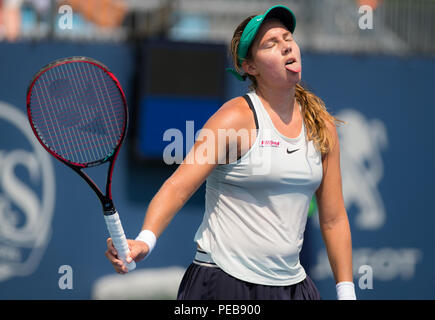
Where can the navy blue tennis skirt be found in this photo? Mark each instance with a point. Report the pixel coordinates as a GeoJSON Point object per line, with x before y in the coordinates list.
{"type": "Point", "coordinates": [204, 280]}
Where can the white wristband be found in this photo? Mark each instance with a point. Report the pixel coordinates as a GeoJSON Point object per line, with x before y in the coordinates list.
{"type": "Point", "coordinates": [345, 290]}
{"type": "Point", "coordinates": [149, 238]}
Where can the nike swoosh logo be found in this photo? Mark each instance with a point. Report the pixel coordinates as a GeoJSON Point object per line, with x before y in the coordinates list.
{"type": "Point", "coordinates": [291, 151]}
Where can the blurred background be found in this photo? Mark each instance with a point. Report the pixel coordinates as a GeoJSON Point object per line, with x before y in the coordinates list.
{"type": "Point", "coordinates": [371, 61]}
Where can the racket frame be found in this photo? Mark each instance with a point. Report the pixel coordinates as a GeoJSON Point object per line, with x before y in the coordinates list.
{"type": "Point", "coordinates": [111, 216]}
{"type": "Point", "coordinates": [106, 199]}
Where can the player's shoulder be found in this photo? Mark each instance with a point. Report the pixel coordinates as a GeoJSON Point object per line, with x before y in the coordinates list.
{"type": "Point", "coordinates": [332, 129]}
{"type": "Point", "coordinates": [234, 113]}
{"type": "Point", "coordinates": [236, 103]}
{"type": "Point", "coordinates": [334, 143]}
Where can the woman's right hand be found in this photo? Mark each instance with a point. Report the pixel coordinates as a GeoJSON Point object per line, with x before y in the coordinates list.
{"type": "Point", "coordinates": [138, 251]}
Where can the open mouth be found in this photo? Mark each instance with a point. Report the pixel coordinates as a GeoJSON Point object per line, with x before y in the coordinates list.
{"type": "Point", "coordinates": [291, 65]}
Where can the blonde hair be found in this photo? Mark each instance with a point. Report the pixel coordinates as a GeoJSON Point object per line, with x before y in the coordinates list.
{"type": "Point", "coordinates": [313, 108]}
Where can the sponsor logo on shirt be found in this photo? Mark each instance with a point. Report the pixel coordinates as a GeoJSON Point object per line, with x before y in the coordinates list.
{"type": "Point", "coordinates": [269, 143]}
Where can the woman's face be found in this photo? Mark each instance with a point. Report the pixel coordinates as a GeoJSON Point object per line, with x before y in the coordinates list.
{"type": "Point", "coordinates": [276, 57]}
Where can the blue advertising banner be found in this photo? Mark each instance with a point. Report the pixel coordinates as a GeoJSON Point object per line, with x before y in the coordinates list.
{"type": "Point", "coordinates": [52, 232]}
{"type": "Point", "coordinates": [387, 171]}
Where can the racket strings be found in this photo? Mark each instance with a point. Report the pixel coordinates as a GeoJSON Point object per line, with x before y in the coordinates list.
{"type": "Point", "coordinates": [78, 111]}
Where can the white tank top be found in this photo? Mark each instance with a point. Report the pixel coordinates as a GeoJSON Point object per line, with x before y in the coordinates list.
{"type": "Point", "coordinates": [256, 207]}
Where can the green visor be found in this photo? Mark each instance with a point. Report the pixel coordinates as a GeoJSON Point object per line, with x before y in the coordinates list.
{"type": "Point", "coordinates": [282, 13]}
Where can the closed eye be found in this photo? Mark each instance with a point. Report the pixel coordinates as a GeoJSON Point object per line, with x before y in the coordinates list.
{"type": "Point", "coordinates": [269, 43]}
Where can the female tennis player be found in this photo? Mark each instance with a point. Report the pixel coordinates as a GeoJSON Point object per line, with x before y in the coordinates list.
{"type": "Point", "coordinates": [257, 204]}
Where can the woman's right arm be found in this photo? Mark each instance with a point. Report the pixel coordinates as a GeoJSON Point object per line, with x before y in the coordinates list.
{"type": "Point", "coordinates": [205, 155]}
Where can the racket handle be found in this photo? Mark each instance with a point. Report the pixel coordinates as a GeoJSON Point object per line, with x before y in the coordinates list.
{"type": "Point", "coordinates": [119, 240]}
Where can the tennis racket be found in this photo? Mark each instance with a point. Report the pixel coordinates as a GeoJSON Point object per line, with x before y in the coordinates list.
{"type": "Point", "coordinates": [78, 111]}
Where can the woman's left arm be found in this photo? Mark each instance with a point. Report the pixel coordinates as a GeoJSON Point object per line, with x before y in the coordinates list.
{"type": "Point", "coordinates": [334, 223]}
